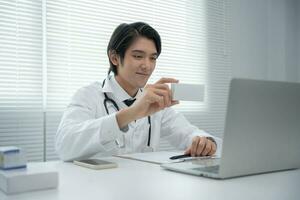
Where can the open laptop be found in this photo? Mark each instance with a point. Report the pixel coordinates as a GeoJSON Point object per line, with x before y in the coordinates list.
{"type": "Point", "coordinates": [262, 132]}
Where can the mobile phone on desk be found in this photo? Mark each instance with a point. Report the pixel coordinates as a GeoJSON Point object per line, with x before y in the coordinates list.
{"type": "Point", "coordinates": [95, 163]}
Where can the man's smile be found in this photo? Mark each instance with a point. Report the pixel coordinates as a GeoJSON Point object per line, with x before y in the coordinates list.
{"type": "Point", "coordinates": [142, 74]}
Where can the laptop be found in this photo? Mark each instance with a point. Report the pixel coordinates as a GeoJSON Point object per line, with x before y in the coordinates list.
{"type": "Point", "coordinates": [262, 132]}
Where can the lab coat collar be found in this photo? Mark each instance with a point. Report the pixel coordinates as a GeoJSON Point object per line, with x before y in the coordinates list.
{"type": "Point", "coordinates": [112, 86]}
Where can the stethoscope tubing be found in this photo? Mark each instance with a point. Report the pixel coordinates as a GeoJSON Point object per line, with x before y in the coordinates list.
{"type": "Point", "coordinates": [109, 100]}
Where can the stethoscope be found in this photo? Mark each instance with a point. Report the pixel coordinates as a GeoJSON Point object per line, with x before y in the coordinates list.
{"type": "Point", "coordinates": [107, 100]}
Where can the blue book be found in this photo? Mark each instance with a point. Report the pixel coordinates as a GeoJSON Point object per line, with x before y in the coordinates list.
{"type": "Point", "coordinates": [12, 157]}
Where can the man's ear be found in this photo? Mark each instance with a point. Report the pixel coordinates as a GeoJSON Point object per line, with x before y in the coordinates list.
{"type": "Point", "coordinates": [114, 57]}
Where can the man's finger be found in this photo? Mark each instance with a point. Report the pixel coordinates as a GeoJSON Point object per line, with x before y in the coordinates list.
{"type": "Point", "coordinates": [165, 95]}
{"type": "Point", "coordinates": [201, 146]}
{"type": "Point", "coordinates": [194, 146]}
{"type": "Point", "coordinates": [187, 151]}
{"type": "Point", "coordinates": [164, 87]}
{"type": "Point", "coordinates": [154, 98]}
{"type": "Point", "coordinates": [174, 103]}
{"type": "Point", "coordinates": [167, 80]}
{"type": "Point", "coordinates": [213, 149]}
{"type": "Point", "coordinates": [160, 86]}
{"type": "Point", "coordinates": [207, 148]}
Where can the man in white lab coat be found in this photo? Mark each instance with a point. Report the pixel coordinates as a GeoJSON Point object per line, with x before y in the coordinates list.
{"type": "Point", "coordinates": [122, 114]}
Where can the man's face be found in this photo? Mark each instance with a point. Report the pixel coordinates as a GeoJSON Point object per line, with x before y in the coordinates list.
{"type": "Point", "coordinates": [138, 64]}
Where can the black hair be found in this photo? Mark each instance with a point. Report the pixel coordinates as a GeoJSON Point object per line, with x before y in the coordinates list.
{"type": "Point", "coordinates": [125, 34]}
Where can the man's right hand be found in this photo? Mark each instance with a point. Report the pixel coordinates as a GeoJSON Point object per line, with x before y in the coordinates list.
{"type": "Point", "coordinates": [155, 97]}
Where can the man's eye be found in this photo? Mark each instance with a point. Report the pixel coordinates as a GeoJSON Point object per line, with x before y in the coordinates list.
{"type": "Point", "coordinates": [153, 58]}
{"type": "Point", "coordinates": [138, 56]}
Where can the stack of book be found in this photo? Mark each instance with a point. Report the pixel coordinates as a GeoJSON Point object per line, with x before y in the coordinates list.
{"type": "Point", "coordinates": [16, 176]}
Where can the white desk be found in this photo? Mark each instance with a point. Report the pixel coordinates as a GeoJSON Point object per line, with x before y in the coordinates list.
{"type": "Point", "coordinates": [135, 180]}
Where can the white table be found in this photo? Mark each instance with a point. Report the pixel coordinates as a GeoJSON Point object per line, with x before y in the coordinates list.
{"type": "Point", "coordinates": [135, 180]}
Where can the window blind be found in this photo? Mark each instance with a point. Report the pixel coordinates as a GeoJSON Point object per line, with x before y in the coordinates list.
{"type": "Point", "coordinates": [194, 50]}
{"type": "Point", "coordinates": [21, 116]}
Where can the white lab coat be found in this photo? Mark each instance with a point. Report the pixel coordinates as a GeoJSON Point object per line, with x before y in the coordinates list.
{"type": "Point", "coordinates": [86, 129]}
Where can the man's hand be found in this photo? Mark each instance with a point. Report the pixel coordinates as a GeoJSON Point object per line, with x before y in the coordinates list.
{"type": "Point", "coordinates": [201, 146]}
{"type": "Point", "coordinates": [155, 97]}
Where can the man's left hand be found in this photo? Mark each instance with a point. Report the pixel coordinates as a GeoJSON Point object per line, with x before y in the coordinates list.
{"type": "Point", "coordinates": [201, 146]}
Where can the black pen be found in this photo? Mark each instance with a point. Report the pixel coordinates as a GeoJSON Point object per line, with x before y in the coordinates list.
{"type": "Point", "coordinates": [180, 156]}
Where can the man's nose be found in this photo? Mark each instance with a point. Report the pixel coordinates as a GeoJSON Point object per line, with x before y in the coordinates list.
{"type": "Point", "coordinates": [146, 63]}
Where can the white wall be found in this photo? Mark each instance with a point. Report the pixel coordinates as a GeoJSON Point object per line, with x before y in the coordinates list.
{"type": "Point", "coordinates": [265, 39]}
{"type": "Point", "coordinates": [298, 33]}
{"type": "Point", "coordinates": [292, 36]}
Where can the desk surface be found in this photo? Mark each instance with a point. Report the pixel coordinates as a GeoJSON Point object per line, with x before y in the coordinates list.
{"type": "Point", "coordinates": [137, 180]}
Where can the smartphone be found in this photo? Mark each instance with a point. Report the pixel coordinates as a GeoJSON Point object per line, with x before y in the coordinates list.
{"type": "Point", "coordinates": [95, 164]}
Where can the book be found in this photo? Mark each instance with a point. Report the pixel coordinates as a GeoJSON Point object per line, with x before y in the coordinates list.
{"type": "Point", "coordinates": [12, 157]}
{"type": "Point", "coordinates": [36, 176]}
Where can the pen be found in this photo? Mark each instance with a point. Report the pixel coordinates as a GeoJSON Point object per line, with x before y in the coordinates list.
{"type": "Point", "coordinates": [180, 156]}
